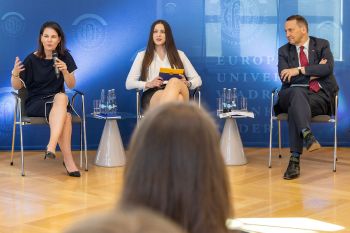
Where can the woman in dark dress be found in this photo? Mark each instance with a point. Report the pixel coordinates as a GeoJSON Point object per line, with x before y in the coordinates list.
{"type": "Point", "coordinates": [46, 94]}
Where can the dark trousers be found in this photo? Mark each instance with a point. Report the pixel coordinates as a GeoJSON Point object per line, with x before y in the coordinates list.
{"type": "Point", "coordinates": [301, 104]}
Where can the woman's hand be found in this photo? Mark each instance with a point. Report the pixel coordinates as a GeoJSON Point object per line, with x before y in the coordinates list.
{"type": "Point", "coordinates": [157, 82]}
{"type": "Point", "coordinates": [61, 65]}
{"type": "Point", "coordinates": [17, 68]}
{"type": "Point", "coordinates": [187, 83]}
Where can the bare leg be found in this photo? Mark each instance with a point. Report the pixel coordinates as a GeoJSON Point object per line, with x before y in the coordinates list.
{"type": "Point", "coordinates": [65, 144]}
{"type": "Point", "coordinates": [181, 98]}
{"type": "Point", "coordinates": [156, 99]}
{"type": "Point", "coordinates": [57, 119]}
{"type": "Point", "coordinates": [175, 90]}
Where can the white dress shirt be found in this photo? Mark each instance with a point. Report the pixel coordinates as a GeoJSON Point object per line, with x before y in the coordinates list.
{"type": "Point", "coordinates": [133, 80]}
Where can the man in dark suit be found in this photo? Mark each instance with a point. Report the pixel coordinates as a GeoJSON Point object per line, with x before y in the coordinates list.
{"type": "Point", "coordinates": [305, 66]}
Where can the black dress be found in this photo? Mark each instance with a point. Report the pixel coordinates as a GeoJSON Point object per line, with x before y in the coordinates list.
{"type": "Point", "coordinates": [41, 82]}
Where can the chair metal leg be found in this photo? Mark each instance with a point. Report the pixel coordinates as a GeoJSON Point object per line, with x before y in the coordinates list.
{"type": "Point", "coordinates": [81, 145]}
{"type": "Point", "coordinates": [22, 153]}
{"type": "Point", "coordinates": [84, 131]}
{"type": "Point", "coordinates": [271, 127]}
{"type": "Point", "coordinates": [335, 159]}
{"type": "Point", "coordinates": [85, 148]}
{"type": "Point", "coordinates": [279, 140]}
{"type": "Point", "coordinates": [13, 134]}
{"type": "Point", "coordinates": [138, 107]}
{"type": "Point", "coordinates": [199, 99]}
{"type": "Point", "coordinates": [270, 144]}
{"type": "Point", "coordinates": [21, 137]}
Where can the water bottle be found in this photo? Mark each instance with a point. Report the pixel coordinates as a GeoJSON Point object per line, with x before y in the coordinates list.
{"type": "Point", "coordinates": [109, 102]}
{"type": "Point", "coordinates": [224, 105]}
{"type": "Point", "coordinates": [103, 102]}
{"type": "Point", "coordinates": [228, 100]}
{"type": "Point", "coordinates": [114, 102]}
{"type": "Point", "coordinates": [234, 99]}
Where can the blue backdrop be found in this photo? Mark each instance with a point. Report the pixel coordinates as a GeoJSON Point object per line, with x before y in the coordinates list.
{"type": "Point", "coordinates": [231, 43]}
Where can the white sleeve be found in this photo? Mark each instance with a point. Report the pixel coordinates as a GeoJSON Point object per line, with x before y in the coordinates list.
{"type": "Point", "coordinates": [190, 72]}
{"type": "Point", "coordinates": [133, 79]}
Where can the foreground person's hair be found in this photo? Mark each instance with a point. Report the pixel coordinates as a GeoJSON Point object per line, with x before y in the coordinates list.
{"type": "Point", "coordinates": [175, 167]}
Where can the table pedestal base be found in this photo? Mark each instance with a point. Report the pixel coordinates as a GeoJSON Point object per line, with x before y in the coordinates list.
{"type": "Point", "coordinates": [231, 144]}
{"type": "Point", "coordinates": [110, 151]}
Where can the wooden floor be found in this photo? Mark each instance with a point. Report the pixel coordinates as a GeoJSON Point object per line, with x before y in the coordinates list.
{"type": "Point", "coordinates": [47, 200]}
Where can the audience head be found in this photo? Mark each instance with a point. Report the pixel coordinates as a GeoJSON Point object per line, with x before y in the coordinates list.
{"type": "Point", "coordinates": [127, 220]}
{"type": "Point", "coordinates": [163, 27]}
{"type": "Point", "coordinates": [175, 167]}
{"type": "Point", "coordinates": [296, 28]}
{"type": "Point", "coordinates": [57, 42]}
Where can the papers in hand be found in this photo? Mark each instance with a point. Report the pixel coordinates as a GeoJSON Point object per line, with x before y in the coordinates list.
{"type": "Point", "coordinates": [237, 113]}
{"type": "Point", "coordinates": [168, 73]}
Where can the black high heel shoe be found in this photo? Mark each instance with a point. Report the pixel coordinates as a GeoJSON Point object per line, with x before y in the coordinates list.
{"type": "Point", "coordinates": [74, 174]}
{"type": "Point", "coordinates": [50, 155]}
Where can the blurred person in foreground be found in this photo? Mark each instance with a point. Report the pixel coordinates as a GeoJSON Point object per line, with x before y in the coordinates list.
{"type": "Point", "coordinates": [175, 167]}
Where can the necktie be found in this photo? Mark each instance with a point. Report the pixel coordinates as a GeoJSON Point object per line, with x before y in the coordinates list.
{"type": "Point", "coordinates": [313, 84]}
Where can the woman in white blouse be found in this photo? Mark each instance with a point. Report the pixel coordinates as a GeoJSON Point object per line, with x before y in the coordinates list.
{"type": "Point", "coordinates": [161, 52]}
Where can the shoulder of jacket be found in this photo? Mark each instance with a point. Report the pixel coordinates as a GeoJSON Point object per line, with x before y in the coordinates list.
{"type": "Point", "coordinates": [318, 40]}
{"type": "Point", "coordinates": [285, 47]}
{"type": "Point", "coordinates": [181, 53]}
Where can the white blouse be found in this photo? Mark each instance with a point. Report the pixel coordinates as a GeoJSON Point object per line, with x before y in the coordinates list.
{"type": "Point", "coordinates": [133, 80]}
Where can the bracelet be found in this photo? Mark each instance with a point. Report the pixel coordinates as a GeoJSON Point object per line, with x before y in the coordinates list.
{"type": "Point", "coordinates": [14, 75]}
{"type": "Point", "coordinates": [189, 84]}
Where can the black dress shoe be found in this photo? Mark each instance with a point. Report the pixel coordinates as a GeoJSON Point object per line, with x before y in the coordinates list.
{"type": "Point", "coordinates": [293, 169]}
{"type": "Point", "coordinates": [311, 142]}
{"type": "Point", "coordinates": [49, 154]}
{"type": "Point", "coordinates": [73, 174]}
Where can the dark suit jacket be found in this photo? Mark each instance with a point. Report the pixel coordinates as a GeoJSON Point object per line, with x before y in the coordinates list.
{"type": "Point", "coordinates": [318, 49]}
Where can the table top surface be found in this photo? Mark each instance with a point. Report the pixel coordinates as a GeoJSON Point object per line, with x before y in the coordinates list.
{"type": "Point", "coordinates": [116, 116]}
{"type": "Point", "coordinates": [237, 114]}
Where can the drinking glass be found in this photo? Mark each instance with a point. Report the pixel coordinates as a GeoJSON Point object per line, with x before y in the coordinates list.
{"type": "Point", "coordinates": [244, 104]}
{"type": "Point", "coordinates": [219, 105]}
{"type": "Point", "coordinates": [97, 109]}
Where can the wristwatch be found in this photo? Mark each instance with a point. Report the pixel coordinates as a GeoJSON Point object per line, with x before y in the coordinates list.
{"type": "Point", "coordinates": [299, 68]}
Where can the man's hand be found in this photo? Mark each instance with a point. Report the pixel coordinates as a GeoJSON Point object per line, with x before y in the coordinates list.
{"type": "Point", "coordinates": [287, 74]}
{"type": "Point", "coordinates": [323, 61]}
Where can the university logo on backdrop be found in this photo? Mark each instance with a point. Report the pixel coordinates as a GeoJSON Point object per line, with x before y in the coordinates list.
{"type": "Point", "coordinates": [237, 15]}
{"type": "Point", "coordinates": [13, 24]}
{"type": "Point", "coordinates": [90, 31]}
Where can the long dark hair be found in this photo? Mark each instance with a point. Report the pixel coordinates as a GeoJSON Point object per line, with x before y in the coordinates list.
{"type": "Point", "coordinates": [173, 55]}
{"type": "Point", "coordinates": [175, 167]}
{"type": "Point", "coordinates": [61, 47]}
